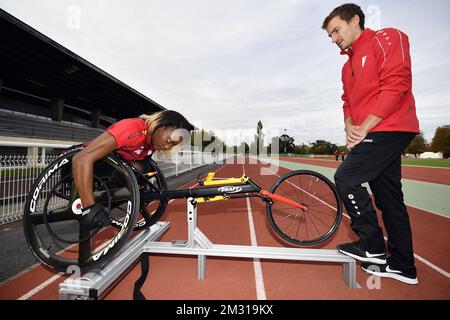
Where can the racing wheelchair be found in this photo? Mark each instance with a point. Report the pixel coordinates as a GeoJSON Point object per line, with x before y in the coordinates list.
{"type": "Point", "coordinates": [303, 208]}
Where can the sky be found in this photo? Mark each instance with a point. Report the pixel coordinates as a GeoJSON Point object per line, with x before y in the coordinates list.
{"type": "Point", "coordinates": [227, 64]}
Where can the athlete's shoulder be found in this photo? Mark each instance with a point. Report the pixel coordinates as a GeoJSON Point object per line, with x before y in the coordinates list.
{"type": "Point", "coordinates": [127, 127]}
{"type": "Point", "coordinates": [129, 123]}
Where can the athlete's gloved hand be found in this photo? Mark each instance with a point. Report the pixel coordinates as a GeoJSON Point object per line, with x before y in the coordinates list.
{"type": "Point", "coordinates": [95, 216]}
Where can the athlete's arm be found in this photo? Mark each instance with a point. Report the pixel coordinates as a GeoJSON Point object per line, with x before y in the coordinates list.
{"type": "Point", "coordinates": [83, 166]}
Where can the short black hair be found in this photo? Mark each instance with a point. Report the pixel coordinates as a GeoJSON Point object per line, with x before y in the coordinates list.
{"type": "Point", "coordinates": [346, 12]}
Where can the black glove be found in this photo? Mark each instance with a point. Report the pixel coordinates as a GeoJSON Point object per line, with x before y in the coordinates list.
{"type": "Point", "coordinates": [95, 217]}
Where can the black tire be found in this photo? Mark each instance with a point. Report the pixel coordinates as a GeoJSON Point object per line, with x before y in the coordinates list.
{"type": "Point", "coordinates": [54, 227]}
{"type": "Point", "coordinates": [150, 212]}
{"type": "Point", "coordinates": [160, 204]}
{"type": "Point", "coordinates": [324, 212]}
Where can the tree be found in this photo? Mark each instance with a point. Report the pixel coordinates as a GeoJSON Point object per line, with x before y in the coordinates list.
{"type": "Point", "coordinates": [286, 144]}
{"type": "Point", "coordinates": [258, 137]}
{"type": "Point", "coordinates": [259, 127]}
{"type": "Point", "coordinates": [322, 147]}
{"type": "Point", "coordinates": [417, 145]}
{"type": "Point", "coordinates": [301, 149]}
{"type": "Point", "coordinates": [441, 141]}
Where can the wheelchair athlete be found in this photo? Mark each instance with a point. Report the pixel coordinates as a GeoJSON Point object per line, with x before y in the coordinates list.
{"type": "Point", "coordinates": [134, 140]}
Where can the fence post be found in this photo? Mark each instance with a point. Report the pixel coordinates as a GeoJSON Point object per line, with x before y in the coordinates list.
{"type": "Point", "coordinates": [32, 153]}
{"type": "Point", "coordinates": [43, 157]}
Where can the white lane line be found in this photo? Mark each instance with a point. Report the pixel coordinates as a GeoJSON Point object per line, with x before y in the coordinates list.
{"type": "Point", "coordinates": [40, 287]}
{"type": "Point", "coordinates": [46, 283]}
{"type": "Point", "coordinates": [432, 266]}
{"type": "Point", "coordinates": [425, 261]}
{"type": "Point", "coordinates": [403, 165]}
{"type": "Point", "coordinates": [259, 278]}
{"type": "Point", "coordinates": [411, 180]}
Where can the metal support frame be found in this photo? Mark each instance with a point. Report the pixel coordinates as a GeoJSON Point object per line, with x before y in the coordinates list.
{"type": "Point", "coordinates": [94, 285]}
{"type": "Point", "coordinates": [198, 244]}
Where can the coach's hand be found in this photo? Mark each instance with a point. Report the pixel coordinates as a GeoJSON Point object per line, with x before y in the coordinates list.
{"type": "Point", "coordinates": [357, 134]}
{"type": "Point", "coordinates": [354, 135]}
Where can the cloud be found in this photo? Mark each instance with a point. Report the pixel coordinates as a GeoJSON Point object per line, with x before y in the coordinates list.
{"type": "Point", "coordinates": [228, 64]}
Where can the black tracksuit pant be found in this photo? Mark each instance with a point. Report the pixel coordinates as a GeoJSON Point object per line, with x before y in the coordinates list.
{"type": "Point", "coordinates": [377, 160]}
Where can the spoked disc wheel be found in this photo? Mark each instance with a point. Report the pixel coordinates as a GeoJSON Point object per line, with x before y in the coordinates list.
{"type": "Point", "coordinates": [54, 226]}
{"type": "Point", "coordinates": [322, 216]}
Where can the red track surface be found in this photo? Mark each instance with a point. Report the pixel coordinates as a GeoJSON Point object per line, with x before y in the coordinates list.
{"type": "Point", "coordinates": [427, 174]}
{"type": "Point", "coordinates": [226, 222]}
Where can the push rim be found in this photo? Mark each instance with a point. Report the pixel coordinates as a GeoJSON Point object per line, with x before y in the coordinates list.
{"type": "Point", "coordinates": [150, 212]}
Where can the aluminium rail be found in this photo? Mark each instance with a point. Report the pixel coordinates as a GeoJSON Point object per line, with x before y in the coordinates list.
{"type": "Point", "coordinates": [94, 284]}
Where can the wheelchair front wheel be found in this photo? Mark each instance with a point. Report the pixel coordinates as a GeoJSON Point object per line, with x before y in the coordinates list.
{"type": "Point", "coordinates": [318, 194]}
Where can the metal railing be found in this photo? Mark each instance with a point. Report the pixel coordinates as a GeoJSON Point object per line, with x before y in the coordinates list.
{"type": "Point", "coordinates": [17, 124]}
{"type": "Point", "coordinates": [184, 161]}
{"type": "Point", "coordinates": [19, 172]}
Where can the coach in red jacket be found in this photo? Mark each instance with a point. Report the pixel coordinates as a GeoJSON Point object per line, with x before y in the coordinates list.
{"type": "Point", "coordinates": [380, 122]}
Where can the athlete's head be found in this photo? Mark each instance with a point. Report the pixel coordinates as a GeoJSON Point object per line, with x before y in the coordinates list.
{"type": "Point", "coordinates": [167, 128]}
{"type": "Point", "coordinates": [344, 24]}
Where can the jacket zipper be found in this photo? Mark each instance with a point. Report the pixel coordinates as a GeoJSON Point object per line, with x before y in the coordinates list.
{"type": "Point", "coordinates": [351, 65]}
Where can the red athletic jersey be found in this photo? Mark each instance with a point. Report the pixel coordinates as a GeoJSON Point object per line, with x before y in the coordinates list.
{"type": "Point", "coordinates": [377, 80]}
{"type": "Point", "coordinates": [132, 141]}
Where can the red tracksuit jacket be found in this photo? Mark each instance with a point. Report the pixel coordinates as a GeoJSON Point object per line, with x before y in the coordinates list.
{"type": "Point", "coordinates": [377, 80]}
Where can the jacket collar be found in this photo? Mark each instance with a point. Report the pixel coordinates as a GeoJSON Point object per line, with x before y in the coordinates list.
{"type": "Point", "coordinates": [365, 35]}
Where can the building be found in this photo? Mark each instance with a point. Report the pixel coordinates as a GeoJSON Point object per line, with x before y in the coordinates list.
{"type": "Point", "coordinates": [51, 96]}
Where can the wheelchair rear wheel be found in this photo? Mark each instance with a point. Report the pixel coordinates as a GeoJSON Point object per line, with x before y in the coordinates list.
{"type": "Point", "coordinates": [53, 222]}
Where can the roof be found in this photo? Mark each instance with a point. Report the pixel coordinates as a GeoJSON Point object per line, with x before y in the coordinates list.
{"type": "Point", "coordinates": [35, 64]}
